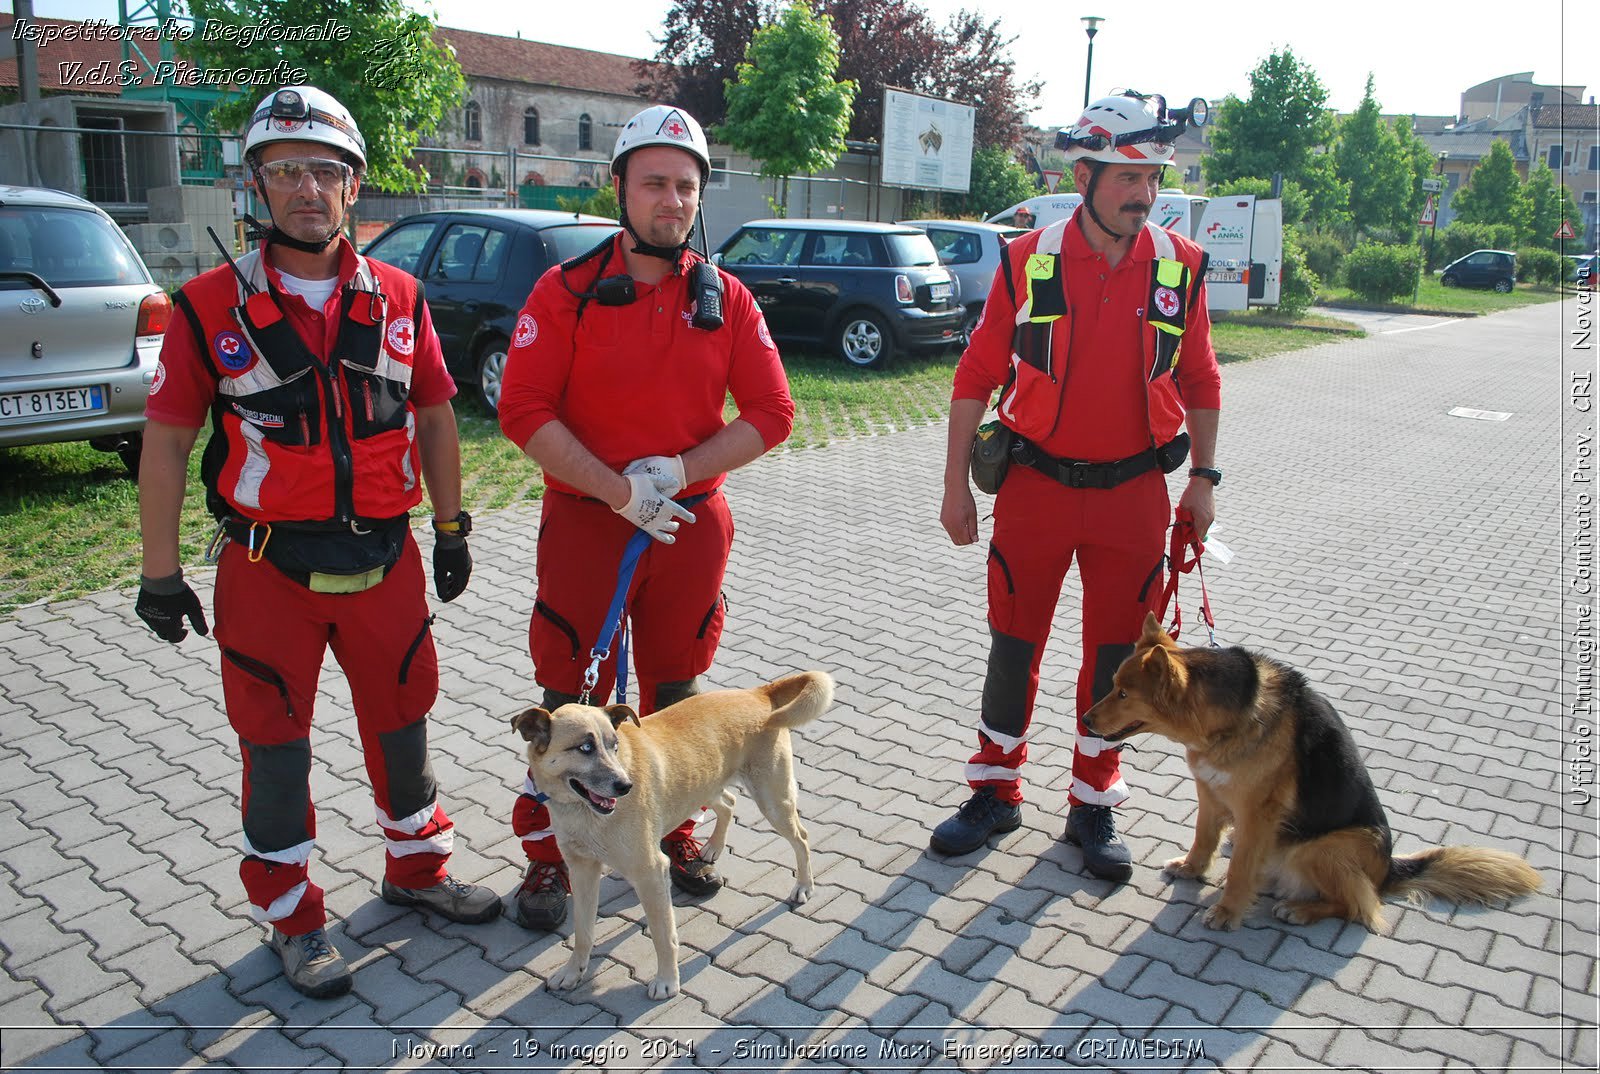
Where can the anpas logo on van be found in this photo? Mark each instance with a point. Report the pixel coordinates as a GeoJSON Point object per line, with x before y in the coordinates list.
{"type": "Point", "coordinates": [1220, 232]}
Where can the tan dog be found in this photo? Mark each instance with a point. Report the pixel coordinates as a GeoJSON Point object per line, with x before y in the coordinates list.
{"type": "Point", "coordinates": [616, 785]}
{"type": "Point", "coordinates": [1271, 757]}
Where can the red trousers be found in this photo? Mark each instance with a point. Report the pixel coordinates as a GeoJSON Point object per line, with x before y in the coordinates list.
{"type": "Point", "coordinates": [675, 605]}
{"type": "Point", "coordinates": [273, 633]}
{"type": "Point", "coordinates": [1118, 537]}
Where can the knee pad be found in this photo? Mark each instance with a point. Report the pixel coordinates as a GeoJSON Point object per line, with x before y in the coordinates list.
{"type": "Point", "coordinates": [670, 693]}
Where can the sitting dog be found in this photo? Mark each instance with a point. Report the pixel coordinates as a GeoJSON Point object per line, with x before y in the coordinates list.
{"type": "Point", "coordinates": [1271, 757]}
{"type": "Point", "coordinates": [616, 785]}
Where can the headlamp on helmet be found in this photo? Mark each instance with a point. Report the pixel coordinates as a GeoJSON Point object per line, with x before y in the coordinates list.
{"type": "Point", "coordinates": [1114, 129]}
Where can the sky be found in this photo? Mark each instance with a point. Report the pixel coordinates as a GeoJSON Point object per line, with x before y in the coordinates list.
{"type": "Point", "coordinates": [1422, 56]}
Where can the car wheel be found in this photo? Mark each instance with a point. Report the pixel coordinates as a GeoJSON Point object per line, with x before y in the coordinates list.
{"type": "Point", "coordinates": [969, 325]}
{"type": "Point", "coordinates": [1448, 280]}
{"type": "Point", "coordinates": [1502, 287]}
{"type": "Point", "coordinates": [491, 368]}
{"type": "Point", "coordinates": [129, 453]}
{"type": "Point", "coordinates": [864, 340]}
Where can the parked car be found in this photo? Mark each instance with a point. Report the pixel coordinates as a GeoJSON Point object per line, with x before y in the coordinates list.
{"type": "Point", "coordinates": [477, 267]}
{"type": "Point", "coordinates": [1483, 268]}
{"type": "Point", "coordinates": [81, 323]}
{"type": "Point", "coordinates": [868, 290]}
{"type": "Point", "coordinates": [971, 251]}
{"type": "Point", "coordinates": [1584, 269]}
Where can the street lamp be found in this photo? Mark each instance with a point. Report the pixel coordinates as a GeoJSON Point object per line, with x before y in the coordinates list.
{"type": "Point", "coordinates": [1091, 26]}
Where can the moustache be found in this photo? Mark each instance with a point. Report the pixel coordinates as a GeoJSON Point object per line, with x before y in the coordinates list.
{"type": "Point", "coordinates": [1136, 207]}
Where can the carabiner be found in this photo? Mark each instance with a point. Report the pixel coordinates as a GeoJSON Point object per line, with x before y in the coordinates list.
{"type": "Point", "coordinates": [255, 552]}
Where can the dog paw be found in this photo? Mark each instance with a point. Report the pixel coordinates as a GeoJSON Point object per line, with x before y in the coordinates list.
{"type": "Point", "coordinates": [711, 851]}
{"type": "Point", "coordinates": [567, 978]}
{"type": "Point", "coordinates": [1180, 869]}
{"type": "Point", "coordinates": [1222, 919]}
{"type": "Point", "coordinates": [662, 988]}
{"type": "Point", "coordinates": [800, 895]}
{"type": "Point", "coordinates": [1292, 912]}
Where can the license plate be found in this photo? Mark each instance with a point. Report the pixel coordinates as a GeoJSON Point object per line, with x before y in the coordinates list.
{"type": "Point", "coordinates": [35, 406]}
{"type": "Point", "coordinates": [939, 291]}
{"type": "Point", "coordinates": [1225, 276]}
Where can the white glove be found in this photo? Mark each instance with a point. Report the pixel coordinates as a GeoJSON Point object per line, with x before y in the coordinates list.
{"type": "Point", "coordinates": [665, 472]}
{"type": "Point", "coordinates": [653, 510]}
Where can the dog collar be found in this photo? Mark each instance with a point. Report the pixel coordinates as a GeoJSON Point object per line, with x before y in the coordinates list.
{"type": "Point", "coordinates": [535, 793]}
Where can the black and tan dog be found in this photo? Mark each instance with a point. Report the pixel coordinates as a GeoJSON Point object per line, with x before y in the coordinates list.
{"type": "Point", "coordinates": [1271, 757]}
{"type": "Point", "coordinates": [616, 785]}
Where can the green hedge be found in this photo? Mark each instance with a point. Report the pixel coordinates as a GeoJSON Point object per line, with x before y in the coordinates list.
{"type": "Point", "coordinates": [1325, 254]}
{"type": "Point", "coordinates": [1541, 266]}
{"type": "Point", "coordinates": [1460, 239]}
{"type": "Point", "coordinates": [1382, 273]}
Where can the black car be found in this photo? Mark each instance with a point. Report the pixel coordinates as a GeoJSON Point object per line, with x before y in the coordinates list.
{"type": "Point", "coordinates": [1483, 268]}
{"type": "Point", "coordinates": [867, 290]}
{"type": "Point", "coordinates": [477, 266]}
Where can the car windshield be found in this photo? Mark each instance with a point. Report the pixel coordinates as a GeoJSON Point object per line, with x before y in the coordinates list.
{"type": "Point", "coordinates": [911, 248]}
{"type": "Point", "coordinates": [570, 240]}
{"type": "Point", "coordinates": [65, 247]}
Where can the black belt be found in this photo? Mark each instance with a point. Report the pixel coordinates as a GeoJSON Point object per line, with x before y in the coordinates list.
{"type": "Point", "coordinates": [325, 557]}
{"type": "Point", "coordinates": [1078, 474]}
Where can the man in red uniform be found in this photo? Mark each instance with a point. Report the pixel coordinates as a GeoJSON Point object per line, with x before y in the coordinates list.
{"type": "Point", "coordinates": [312, 469]}
{"type": "Point", "coordinates": [1097, 334]}
{"type": "Point", "coordinates": [614, 385]}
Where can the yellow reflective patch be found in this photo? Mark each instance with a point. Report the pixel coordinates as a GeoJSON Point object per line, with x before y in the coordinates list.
{"type": "Point", "coordinates": [1041, 266]}
{"type": "Point", "coordinates": [344, 583]}
{"type": "Point", "coordinates": [1169, 273]}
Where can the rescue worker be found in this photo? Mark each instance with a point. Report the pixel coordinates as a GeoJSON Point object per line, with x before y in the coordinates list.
{"type": "Point", "coordinates": [1097, 335]}
{"type": "Point", "coordinates": [614, 385]}
{"type": "Point", "coordinates": [1023, 217]}
{"type": "Point", "coordinates": [312, 468]}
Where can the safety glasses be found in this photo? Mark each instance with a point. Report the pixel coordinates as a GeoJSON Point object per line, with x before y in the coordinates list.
{"type": "Point", "coordinates": [287, 176]}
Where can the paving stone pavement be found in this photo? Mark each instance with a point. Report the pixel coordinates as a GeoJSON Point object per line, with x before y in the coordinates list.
{"type": "Point", "coordinates": [1407, 560]}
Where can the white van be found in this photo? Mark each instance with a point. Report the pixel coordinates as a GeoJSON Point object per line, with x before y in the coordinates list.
{"type": "Point", "coordinates": [1243, 234]}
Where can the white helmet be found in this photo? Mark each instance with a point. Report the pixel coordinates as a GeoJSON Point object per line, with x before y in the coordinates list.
{"type": "Point", "coordinates": [1122, 129]}
{"type": "Point", "coordinates": [662, 124]}
{"type": "Point", "coordinates": [305, 114]}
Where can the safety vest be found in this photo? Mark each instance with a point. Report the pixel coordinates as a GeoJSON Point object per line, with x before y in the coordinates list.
{"type": "Point", "coordinates": [296, 438]}
{"type": "Point", "coordinates": [1032, 398]}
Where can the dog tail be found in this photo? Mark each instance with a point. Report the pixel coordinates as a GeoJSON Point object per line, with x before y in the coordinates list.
{"type": "Point", "coordinates": [800, 698]}
{"type": "Point", "coordinates": [1462, 875]}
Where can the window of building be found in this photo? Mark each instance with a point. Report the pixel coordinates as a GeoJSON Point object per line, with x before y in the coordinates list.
{"type": "Point", "coordinates": [1594, 158]}
{"type": "Point", "coordinates": [585, 132]}
{"type": "Point", "coordinates": [719, 174]}
{"type": "Point", "coordinates": [1553, 158]}
{"type": "Point", "coordinates": [530, 127]}
{"type": "Point", "coordinates": [472, 117]}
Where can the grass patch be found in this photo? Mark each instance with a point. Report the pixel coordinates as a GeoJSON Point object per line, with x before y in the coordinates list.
{"type": "Point", "coordinates": [69, 515]}
{"type": "Point", "coordinates": [1435, 297]}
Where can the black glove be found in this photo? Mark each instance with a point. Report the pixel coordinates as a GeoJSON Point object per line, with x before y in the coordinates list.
{"type": "Point", "coordinates": [452, 566]}
{"type": "Point", "coordinates": [164, 602]}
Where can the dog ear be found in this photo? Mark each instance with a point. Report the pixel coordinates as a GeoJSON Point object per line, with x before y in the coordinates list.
{"type": "Point", "coordinates": [1164, 668]}
{"type": "Point", "coordinates": [534, 725]}
{"type": "Point", "coordinates": [620, 714]}
{"type": "Point", "coordinates": [1153, 634]}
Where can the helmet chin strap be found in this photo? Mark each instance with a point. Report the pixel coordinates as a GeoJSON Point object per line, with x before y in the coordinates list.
{"type": "Point", "coordinates": [255, 231]}
{"type": "Point", "coordinates": [1088, 203]}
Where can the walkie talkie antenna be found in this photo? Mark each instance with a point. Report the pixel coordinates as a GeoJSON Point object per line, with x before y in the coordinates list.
{"type": "Point", "coordinates": [249, 288]}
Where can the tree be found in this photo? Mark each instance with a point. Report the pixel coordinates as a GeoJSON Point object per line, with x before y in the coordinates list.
{"type": "Point", "coordinates": [786, 110]}
{"type": "Point", "coordinates": [1276, 129]}
{"type": "Point", "coordinates": [977, 69]}
{"type": "Point", "coordinates": [700, 51]}
{"type": "Point", "coordinates": [1419, 155]}
{"type": "Point", "coordinates": [1494, 193]}
{"type": "Point", "coordinates": [397, 80]}
{"type": "Point", "coordinates": [1368, 156]}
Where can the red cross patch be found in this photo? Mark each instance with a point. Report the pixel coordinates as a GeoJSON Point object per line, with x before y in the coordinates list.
{"type": "Point", "coordinates": [676, 129]}
{"type": "Point", "coordinates": [402, 335]}
{"type": "Point", "coordinates": [1167, 301]}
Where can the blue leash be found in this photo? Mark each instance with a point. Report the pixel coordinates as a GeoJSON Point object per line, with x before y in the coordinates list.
{"type": "Point", "coordinates": [615, 614]}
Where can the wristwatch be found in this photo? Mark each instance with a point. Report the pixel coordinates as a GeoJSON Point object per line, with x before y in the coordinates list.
{"type": "Point", "coordinates": [459, 526]}
{"type": "Point", "coordinates": [1209, 473]}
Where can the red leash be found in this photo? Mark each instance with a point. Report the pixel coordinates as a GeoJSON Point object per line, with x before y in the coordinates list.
{"type": "Point", "coordinates": [1184, 556]}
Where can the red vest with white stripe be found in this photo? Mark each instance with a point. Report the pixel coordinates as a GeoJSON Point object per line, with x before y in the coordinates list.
{"type": "Point", "coordinates": [296, 438]}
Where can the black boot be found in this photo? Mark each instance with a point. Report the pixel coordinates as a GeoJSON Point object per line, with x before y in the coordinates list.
{"type": "Point", "coordinates": [1104, 855]}
{"type": "Point", "coordinates": [981, 816]}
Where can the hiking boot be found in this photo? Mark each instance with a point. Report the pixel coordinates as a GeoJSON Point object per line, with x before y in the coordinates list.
{"type": "Point", "coordinates": [311, 964]}
{"type": "Point", "coordinates": [982, 816]}
{"type": "Point", "coordinates": [690, 873]}
{"type": "Point", "coordinates": [1104, 855]}
{"type": "Point", "coordinates": [542, 898]}
{"type": "Point", "coordinates": [468, 904]}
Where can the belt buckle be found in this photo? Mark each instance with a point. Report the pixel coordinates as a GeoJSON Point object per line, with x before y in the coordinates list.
{"type": "Point", "coordinates": [1077, 474]}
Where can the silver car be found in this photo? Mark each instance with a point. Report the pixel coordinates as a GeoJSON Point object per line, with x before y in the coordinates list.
{"type": "Point", "coordinates": [971, 251]}
{"type": "Point", "coordinates": [80, 325]}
